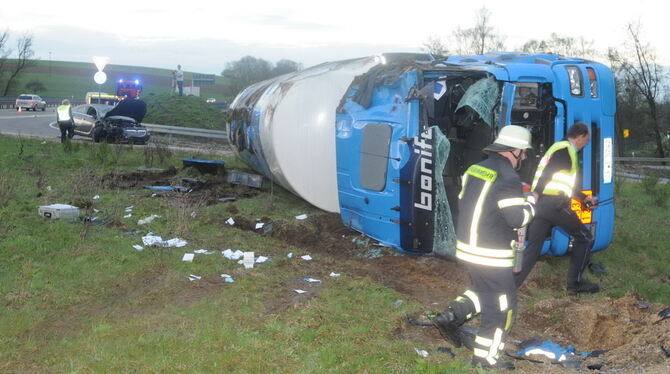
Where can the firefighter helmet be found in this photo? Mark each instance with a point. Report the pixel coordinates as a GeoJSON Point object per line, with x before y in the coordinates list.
{"type": "Point", "coordinates": [510, 138]}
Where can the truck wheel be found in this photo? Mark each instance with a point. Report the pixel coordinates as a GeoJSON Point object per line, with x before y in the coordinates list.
{"type": "Point", "coordinates": [97, 134]}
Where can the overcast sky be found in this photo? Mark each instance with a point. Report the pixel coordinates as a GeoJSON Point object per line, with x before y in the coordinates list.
{"type": "Point", "coordinates": [203, 35]}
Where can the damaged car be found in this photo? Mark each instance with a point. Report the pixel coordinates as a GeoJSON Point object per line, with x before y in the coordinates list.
{"type": "Point", "coordinates": [119, 124]}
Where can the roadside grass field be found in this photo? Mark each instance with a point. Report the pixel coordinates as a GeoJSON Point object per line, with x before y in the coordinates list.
{"type": "Point", "coordinates": [79, 298]}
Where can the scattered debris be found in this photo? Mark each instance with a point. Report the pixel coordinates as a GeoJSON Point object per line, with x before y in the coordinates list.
{"type": "Point", "coordinates": [188, 257]}
{"type": "Point", "coordinates": [290, 255]}
{"type": "Point", "coordinates": [193, 277]}
{"type": "Point", "coordinates": [227, 199]}
{"type": "Point", "coordinates": [306, 257]}
{"type": "Point", "coordinates": [446, 350]}
{"type": "Point", "coordinates": [248, 260]}
{"type": "Point", "coordinates": [334, 275]}
{"type": "Point", "coordinates": [642, 305]}
{"type": "Point", "coordinates": [300, 291]}
{"type": "Point", "coordinates": [663, 314]}
{"type": "Point", "coordinates": [151, 169]}
{"type": "Point", "coordinates": [227, 278]}
{"type": "Point", "coordinates": [230, 221]}
{"type": "Point", "coordinates": [154, 240]}
{"type": "Point", "coordinates": [169, 188]}
{"type": "Point", "coordinates": [666, 351]}
{"type": "Point", "coordinates": [311, 280]}
{"type": "Point", "coordinates": [55, 211]}
{"type": "Point", "coordinates": [146, 220]}
{"type": "Point", "coordinates": [193, 183]}
{"type": "Point", "coordinates": [398, 303]}
{"type": "Point", "coordinates": [301, 217]}
{"type": "Point", "coordinates": [548, 349]}
{"type": "Point", "coordinates": [421, 352]}
{"type": "Point", "coordinates": [261, 259]}
{"type": "Point", "coordinates": [204, 166]}
{"type": "Point", "coordinates": [229, 254]}
{"type": "Point", "coordinates": [138, 247]}
{"type": "Point", "coordinates": [203, 252]}
{"type": "Point", "coordinates": [259, 225]}
{"type": "Point", "coordinates": [128, 215]}
{"type": "Point", "coordinates": [244, 178]}
{"type": "Point", "coordinates": [96, 197]}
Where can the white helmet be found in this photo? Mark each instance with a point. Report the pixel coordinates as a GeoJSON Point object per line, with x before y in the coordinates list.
{"type": "Point", "coordinates": [510, 138]}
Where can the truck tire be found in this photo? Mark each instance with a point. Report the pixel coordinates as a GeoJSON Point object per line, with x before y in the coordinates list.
{"type": "Point", "coordinates": [97, 134]}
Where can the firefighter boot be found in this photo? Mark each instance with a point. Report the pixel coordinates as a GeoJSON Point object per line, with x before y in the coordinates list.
{"type": "Point", "coordinates": [584, 286]}
{"type": "Point", "coordinates": [499, 365]}
{"type": "Point", "coordinates": [447, 325]}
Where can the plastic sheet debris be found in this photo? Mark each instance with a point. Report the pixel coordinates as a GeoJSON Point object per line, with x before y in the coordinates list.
{"type": "Point", "coordinates": [334, 275]}
{"type": "Point", "coordinates": [642, 305]}
{"type": "Point", "coordinates": [229, 254]}
{"type": "Point", "coordinates": [129, 208]}
{"type": "Point", "coordinates": [311, 280]}
{"type": "Point", "coordinates": [227, 278]}
{"type": "Point", "coordinates": [663, 314]}
{"type": "Point", "coordinates": [290, 255]}
{"type": "Point", "coordinates": [301, 217]}
{"type": "Point", "coordinates": [203, 252]}
{"type": "Point", "coordinates": [230, 221]}
{"type": "Point", "coordinates": [203, 166]}
{"type": "Point", "coordinates": [398, 303]}
{"type": "Point", "coordinates": [138, 247]}
{"type": "Point", "coordinates": [306, 257]}
{"type": "Point", "coordinates": [193, 277]}
{"type": "Point", "coordinates": [193, 183]}
{"type": "Point", "coordinates": [188, 257]}
{"type": "Point", "coordinates": [267, 228]}
{"type": "Point", "coordinates": [548, 349]}
{"type": "Point", "coordinates": [248, 260]}
{"type": "Point", "coordinates": [154, 240]}
{"type": "Point", "coordinates": [194, 214]}
{"type": "Point", "coordinates": [128, 215]}
{"type": "Point", "coordinates": [244, 178]}
{"type": "Point", "coordinates": [96, 197]}
{"type": "Point", "coordinates": [146, 220]}
{"type": "Point", "coordinates": [261, 259]}
{"type": "Point", "coordinates": [259, 225]}
{"type": "Point", "coordinates": [421, 352]}
{"type": "Point", "coordinates": [168, 188]}
{"type": "Point", "coordinates": [300, 291]}
{"type": "Point", "coordinates": [96, 211]}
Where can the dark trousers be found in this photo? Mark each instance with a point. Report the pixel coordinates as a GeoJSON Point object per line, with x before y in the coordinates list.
{"type": "Point", "coordinates": [493, 292]}
{"type": "Point", "coordinates": [66, 130]}
{"type": "Point", "coordinates": [555, 211]}
{"type": "Point", "coordinates": [180, 86]}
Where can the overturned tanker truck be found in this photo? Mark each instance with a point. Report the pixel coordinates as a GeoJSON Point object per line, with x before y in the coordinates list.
{"type": "Point", "coordinates": [384, 140]}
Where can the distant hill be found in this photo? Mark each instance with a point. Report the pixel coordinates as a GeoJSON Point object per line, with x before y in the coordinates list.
{"type": "Point", "coordinates": [63, 79]}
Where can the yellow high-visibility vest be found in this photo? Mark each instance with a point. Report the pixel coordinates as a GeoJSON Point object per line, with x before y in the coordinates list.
{"type": "Point", "coordinates": [563, 181]}
{"type": "Point", "coordinates": [63, 112]}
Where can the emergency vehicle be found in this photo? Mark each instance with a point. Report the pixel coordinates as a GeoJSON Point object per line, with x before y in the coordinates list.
{"type": "Point", "coordinates": [384, 140]}
{"type": "Point", "coordinates": [128, 89]}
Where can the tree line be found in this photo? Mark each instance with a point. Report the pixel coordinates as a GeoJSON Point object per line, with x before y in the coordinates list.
{"type": "Point", "coordinates": [643, 99]}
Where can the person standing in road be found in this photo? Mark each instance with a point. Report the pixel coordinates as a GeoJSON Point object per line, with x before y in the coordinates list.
{"type": "Point", "coordinates": [555, 181]}
{"type": "Point", "coordinates": [179, 78]}
{"type": "Point", "coordinates": [492, 206]}
{"type": "Point", "coordinates": [65, 120]}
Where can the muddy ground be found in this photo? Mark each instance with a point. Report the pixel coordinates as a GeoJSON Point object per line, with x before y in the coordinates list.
{"type": "Point", "coordinates": [626, 334]}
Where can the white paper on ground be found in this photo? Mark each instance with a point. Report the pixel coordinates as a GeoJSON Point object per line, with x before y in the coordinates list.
{"type": "Point", "coordinates": [306, 257]}
{"type": "Point", "coordinates": [193, 277]}
{"type": "Point", "coordinates": [334, 274]}
{"type": "Point", "coordinates": [138, 247]}
{"type": "Point", "coordinates": [302, 216]}
{"type": "Point", "coordinates": [175, 242]}
{"type": "Point", "coordinates": [188, 257]}
{"type": "Point", "coordinates": [146, 220]}
{"type": "Point", "coordinates": [230, 221]}
{"type": "Point", "coordinates": [96, 197]}
{"type": "Point", "coordinates": [152, 240]}
{"type": "Point", "coordinates": [311, 280]}
{"type": "Point", "coordinates": [261, 259]}
{"type": "Point", "coordinates": [225, 276]}
{"type": "Point", "coordinates": [229, 254]}
{"type": "Point", "coordinates": [421, 352]}
{"type": "Point", "coordinates": [290, 255]}
{"type": "Point", "coordinates": [127, 216]}
{"type": "Point", "coordinates": [259, 225]}
{"type": "Point", "coordinates": [203, 252]}
{"type": "Point", "coordinates": [248, 260]}
{"type": "Point", "coordinates": [300, 291]}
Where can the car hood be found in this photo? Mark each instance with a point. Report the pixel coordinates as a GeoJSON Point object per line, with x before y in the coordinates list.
{"type": "Point", "coordinates": [133, 108]}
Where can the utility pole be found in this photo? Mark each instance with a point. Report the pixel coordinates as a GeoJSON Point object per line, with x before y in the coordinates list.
{"type": "Point", "coordinates": [49, 63]}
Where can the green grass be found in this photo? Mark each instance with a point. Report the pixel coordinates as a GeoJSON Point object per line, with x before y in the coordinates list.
{"type": "Point", "coordinates": [81, 300]}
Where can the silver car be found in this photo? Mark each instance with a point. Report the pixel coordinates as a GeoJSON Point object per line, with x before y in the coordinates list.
{"type": "Point", "coordinates": [30, 101]}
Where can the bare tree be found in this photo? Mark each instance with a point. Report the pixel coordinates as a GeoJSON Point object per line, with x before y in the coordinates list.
{"type": "Point", "coordinates": [23, 61]}
{"type": "Point", "coordinates": [637, 63]}
{"type": "Point", "coordinates": [4, 52]}
{"type": "Point", "coordinates": [435, 47]}
{"type": "Point", "coordinates": [481, 38]}
{"type": "Point", "coordinates": [562, 45]}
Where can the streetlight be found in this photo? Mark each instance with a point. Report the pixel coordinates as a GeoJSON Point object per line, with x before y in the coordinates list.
{"type": "Point", "coordinates": [100, 77]}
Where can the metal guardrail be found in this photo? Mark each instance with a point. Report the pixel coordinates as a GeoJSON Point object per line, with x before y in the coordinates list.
{"type": "Point", "coordinates": [188, 131]}
{"type": "Point", "coordinates": [641, 159]}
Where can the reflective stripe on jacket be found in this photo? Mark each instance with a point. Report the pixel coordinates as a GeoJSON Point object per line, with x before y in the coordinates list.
{"type": "Point", "coordinates": [491, 207]}
{"type": "Point", "coordinates": [562, 181]}
{"type": "Point", "coordinates": [63, 113]}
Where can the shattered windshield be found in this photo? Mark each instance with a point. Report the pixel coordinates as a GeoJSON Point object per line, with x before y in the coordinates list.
{"type": "Point", "coordinates": [481, 97]}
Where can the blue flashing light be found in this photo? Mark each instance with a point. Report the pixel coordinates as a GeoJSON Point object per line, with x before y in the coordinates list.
{"type": "Point", "coordinates": [137, 81]}
{"type": "Point", "coordinates": [121, 80]}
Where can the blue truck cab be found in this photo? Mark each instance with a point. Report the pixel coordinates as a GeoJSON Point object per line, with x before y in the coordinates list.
{"type": "Point", "coordinates": [408, 128]}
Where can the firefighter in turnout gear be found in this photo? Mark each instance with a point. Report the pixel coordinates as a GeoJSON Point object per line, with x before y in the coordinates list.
{"type": "Point", "coordinates": [65, 120]}
{"type": "Point", "coordinates": [492, 207]}
{"type": "Point", "coordinates": [555, 181]}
